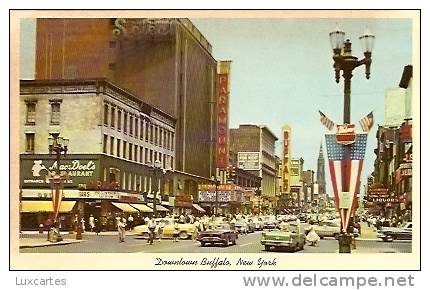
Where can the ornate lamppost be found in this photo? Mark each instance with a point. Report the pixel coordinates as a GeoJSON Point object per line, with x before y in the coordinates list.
{"type": "Point", "coordinates": [258, 194]}
{"type": "Point", "coordinates": [57, 145]}
{"type": "Point", "coordinates": [217, 182]}
{"type": "Point", "coordinates": [155, 167]}
{"type": "Point", "coordinates": [344, 61]}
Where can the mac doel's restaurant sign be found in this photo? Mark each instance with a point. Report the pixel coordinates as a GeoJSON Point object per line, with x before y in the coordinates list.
{"type": "Point", "coordinates": [35, 168]}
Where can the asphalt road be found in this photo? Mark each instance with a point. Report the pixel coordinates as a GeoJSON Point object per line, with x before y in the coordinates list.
{"type": "Point", "coordinates": [245, 244]}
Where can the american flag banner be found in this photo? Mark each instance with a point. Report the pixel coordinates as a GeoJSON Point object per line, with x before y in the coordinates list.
{"type": "Point", "coordinates": [57, 196]}
{"type": "Point", "coordinates": [367, 122]}
{"type": "Point", "coordinates": [329, 124]}
{"type": "Point", "coordinates": [345, 165]}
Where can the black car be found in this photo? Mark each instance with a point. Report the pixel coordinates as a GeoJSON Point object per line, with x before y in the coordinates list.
{"type": "Point", "coordinates": [221, 235]}
{"type": "Point", "coordinates": [388, 234]}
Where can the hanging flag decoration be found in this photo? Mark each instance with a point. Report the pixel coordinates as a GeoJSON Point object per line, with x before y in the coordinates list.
{"type": "Point", "coordinates": [367, 122]}
{"type": "Point", "coordinates": [329, 124]}
{"type": "Point", "coordinates": [345, 164]}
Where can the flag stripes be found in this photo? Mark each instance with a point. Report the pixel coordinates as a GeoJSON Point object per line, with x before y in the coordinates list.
{"type": "Point", "coordinates": [329, 124]}
{"type": "Point", "coordinates": [367, 122]}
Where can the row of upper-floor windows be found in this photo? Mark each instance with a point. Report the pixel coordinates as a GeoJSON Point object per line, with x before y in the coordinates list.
{"type": "Point", "coordinates": [54, 114]}
{"type": "Point", "coordinates": [137, 127]}
{"type": "Point", "coordinates": [133, 181]}
{"type": "Point", "coordinates": [121, 148]}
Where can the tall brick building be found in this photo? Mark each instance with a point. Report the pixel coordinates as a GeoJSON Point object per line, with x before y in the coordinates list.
{"type": "Point", "coordinates": [165, 62]}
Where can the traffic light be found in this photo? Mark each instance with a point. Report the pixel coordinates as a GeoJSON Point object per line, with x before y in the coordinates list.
{"type": "Point", "coordinates": [233, 172]}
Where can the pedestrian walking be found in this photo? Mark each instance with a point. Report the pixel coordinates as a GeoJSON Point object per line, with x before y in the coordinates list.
{"type": "Point", "coordinates": [97, 226]}
{"type": "Point", "coordinates": [151, 226]}
{"type": "Point", "coordinates": [175, 231]}
{"type": "Point", "coordinates": [91, 223]}
{"type": "Point", "coordinates": [130, 222]}
{"type": "Point", "coordinates": [83, 224]}
{"type": "Point", "coordinates": [161, 226]}
{"type": "Point", "coordinates": [121, 229]}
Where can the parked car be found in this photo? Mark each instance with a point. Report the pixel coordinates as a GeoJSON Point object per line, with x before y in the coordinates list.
{"type": "Point", "coordinates": [221, 234]}
{"type": "Point", "coordinates": [241, 227]}
{"type": "Point", "coordinates": [186, 231]}
{"type": "Point", "coordinates": [269, 222]}
{"type": "Point", "coordinates": [288, 236]}
{"type": "Point", "coordinates": [388, 234]}
{"type": "Point", "coordinates": [259, 225]}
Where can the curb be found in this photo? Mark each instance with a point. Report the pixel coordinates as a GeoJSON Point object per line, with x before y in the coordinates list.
{"type": "Point", "coordinates": [49, 244]}
{"type": "Point", "coordinates": [369, 239]}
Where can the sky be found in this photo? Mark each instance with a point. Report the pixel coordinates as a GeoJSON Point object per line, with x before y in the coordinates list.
{"type": "Point", "coordinates": [282, 73]}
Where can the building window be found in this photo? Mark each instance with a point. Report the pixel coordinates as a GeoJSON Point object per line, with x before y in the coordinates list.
{"type": "Point", "coordinates": [164, 160]}
{"type": "Point", "coordinates": [131, 125]}
{"type": "Point", "coordinates": [135, 152]}
{"type": "Point", "coordinates": [31, 113]}
{"type": "Point", "coordinates": [124, 149]}
{"type": "Point", "coordinates": [105, 139]}
{"type": "Point", "coordinates": [118, 125]}
{"type": "Point", "coordinates": [125, 122]}
{"type": "Point", "coordinates": [55, 112]}
{"type": "Point", "coordinates": [112, 117]}
{"type": "Point", "coordinates": [146, 156]}
{"type": "Point", "coordinates": [164, 139]}
{"type": "Point", "coordinates": [141, 154]}
{"type": "Point", "coordinates": [141, 130]}
{"type": "Point", "coordinates": [29, 141]}
{"type": "Point", "coordinates": [114, 175]}
{"type": "Point", "coordinates": [150, 156]}
{"type": "Point", "coordinates": [106, 115]}
{"type": "Point", "coordinates": [151, 135]}
{"type": "Point", "coordinates": [136, 127]}
{"type": "Point", "coordinates": [130, 151]}
{"type": "Point", "coordinates": [112, 141]}
{"type": "Point", "coordinates": [147, 132]}
{"type": "Point", "coordinates": [156, 135]}
{"type": "Point", "coordinates": [118, 147]}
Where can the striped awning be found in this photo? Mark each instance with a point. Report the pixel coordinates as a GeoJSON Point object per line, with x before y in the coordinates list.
{"type": "Point", "coordinates": [141, 207]}
{"type": "Point", "coordinates": [125, 207]}
{"type": "Point", "coordinates": [28, 206]}
{"type": "Point", "coordinates": [159, 207]}
{"type": "Point", "coordinates": [198, 207]}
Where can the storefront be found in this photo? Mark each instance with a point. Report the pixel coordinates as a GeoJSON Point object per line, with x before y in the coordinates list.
{"type": "Point", "coordinates": [228, 198]}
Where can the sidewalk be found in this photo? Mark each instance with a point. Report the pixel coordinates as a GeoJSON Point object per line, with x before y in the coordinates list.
{"type": "Point", "coordinates": [65, 233]}
{"type": "Point", "coordinates": [33, 243]}
{"type": "Point", "coordinates": [367, 233]}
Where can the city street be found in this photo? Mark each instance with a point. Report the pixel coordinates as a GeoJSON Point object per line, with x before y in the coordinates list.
{"type": "Point", "coordinates": [246, 244]}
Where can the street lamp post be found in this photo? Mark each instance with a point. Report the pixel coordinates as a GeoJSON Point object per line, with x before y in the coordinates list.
{"type": "Point", "coordinates": [217, 183]}
{"type": "Point", "coordinates": [155, 167]}
{"type": "Point", "coordinates": [346, 62]}
{"type": "Point", "coordinates": [258, 193]}
{"type": "Point", "coordinates": [57, 145]}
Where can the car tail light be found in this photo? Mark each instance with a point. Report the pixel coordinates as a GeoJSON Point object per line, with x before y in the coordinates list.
{"type": "Point", "coordinates": [222, 236]}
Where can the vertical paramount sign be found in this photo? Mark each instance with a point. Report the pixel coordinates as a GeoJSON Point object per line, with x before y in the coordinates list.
{"type": "Point", "coordinates": [223, 79]}
{"type": "Point", "coordinates": [222, 123]}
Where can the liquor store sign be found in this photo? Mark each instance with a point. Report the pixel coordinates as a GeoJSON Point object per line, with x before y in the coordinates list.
{"type": "Point", "coordinates": [34, 170]}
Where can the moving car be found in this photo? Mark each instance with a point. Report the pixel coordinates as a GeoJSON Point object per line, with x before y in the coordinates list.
{"type": "Point", "coordinates": [269, 222]}
{"type": "Point", "coordinates": [388, 234]}
{"type": "Point", "coordinates": [289, 236]}
{"type": "Point", "coordinates": [328, 228]}
{"type": "Point", "coordinates": [186, 231]}
{"type": "Point", "coordinates": [259, 225]}
{"type": "Point", "coordinates": [221, 234]}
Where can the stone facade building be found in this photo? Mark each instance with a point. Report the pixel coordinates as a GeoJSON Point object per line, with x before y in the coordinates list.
{"type": "Point", "coordinates": [167, 63]}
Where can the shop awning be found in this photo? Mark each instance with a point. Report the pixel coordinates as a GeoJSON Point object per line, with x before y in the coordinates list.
{"type": "Point", "coordinates": [141, 207]}
{"type": "Point", "coordinates": [198, 207]}
{"type": "Point", "coordinates": [159, 207]}
{"type": "Point", "coordinates": [125, 207]}
{"type": "Point", "coordinates": [45, 206]}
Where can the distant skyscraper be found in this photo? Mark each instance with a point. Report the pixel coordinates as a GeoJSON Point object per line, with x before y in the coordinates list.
{"type": "Point", "coordinates": [321, 172]}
